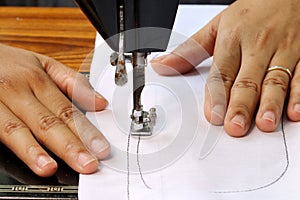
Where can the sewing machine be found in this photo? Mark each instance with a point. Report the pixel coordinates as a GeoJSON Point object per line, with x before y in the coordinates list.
{"type": "Point", "coordinates": [133, 29]}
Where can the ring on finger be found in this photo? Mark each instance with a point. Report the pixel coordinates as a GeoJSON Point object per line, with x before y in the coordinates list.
{"type": "Point", "coordinates": [281, 68]}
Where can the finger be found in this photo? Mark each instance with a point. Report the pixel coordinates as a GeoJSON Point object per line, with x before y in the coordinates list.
{"type": "Point", "coordinates": [72, 117]}
{"type": "Point", "coordinates": [190, 53]}
{"type": "Point", "coordinates": [221, 76]}
{"type": "Point", "coordinates": [274, 90]}
{"type": "Point", "coordinates": [293, 109]}
{"type": "Point", "coordinates": [17, 137]}
{"type": "Point", "coordinates": [75, 85]}
{"type": "Point", "coordinates": [52, 133]}
{"type": "Point", "coordinates": [246, 90]}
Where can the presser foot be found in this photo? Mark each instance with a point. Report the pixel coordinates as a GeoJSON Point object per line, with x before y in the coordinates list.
{"type": "Point", "coordinates": [142, 122]}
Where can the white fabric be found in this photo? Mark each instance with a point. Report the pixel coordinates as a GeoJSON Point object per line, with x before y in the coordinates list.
{"type": "Point", "coordinates": [187, 158]}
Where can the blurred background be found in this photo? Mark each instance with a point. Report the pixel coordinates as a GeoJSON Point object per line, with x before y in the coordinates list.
{"type": "Point", "coordinates": [70, 3]}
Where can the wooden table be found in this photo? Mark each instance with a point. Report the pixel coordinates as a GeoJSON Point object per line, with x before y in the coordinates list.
{"type": "Point", "coordinates": [64, 34]}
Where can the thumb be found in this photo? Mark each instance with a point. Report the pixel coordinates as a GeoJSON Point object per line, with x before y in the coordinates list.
{"type": "Point", "coordinates": [189, 54]}
{"type": "Point", "coordinates": [75, 85]}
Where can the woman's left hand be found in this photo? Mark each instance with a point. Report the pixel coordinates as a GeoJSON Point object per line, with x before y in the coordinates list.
{"type": "Point", "coordinates": [246, 39]}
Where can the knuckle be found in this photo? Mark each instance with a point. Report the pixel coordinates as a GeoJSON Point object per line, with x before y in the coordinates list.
{"type": "Point", "coordinates": [68, 113]}
{"type": "Point", "coordinates": [72, 147]}
{"type": "Point", "coordinates": [277, 81]}
{"type": "Point", "coordinates": [246, 84]}
{"type": "Point", "coordinates": [12, 126]}
{"type": "Point", "coordinates": [288, 43]}
{"type": "Point", "coordinates": [33, 149]}
{"type": "Point", "coordinates": [6, 83]}
{"type": "Point", "coordinates": [239, 108]}
{"type": "Point", "coordinates": [37, 76]}
{"type": "Point", "coordinates": [48, 121]}
{"type": "Point", "coordinates": [230, 37]}
{"type": "Point", "coordinates": [220, 77]}
{"type": "Point", "coordinates": [244, 11]}
{"type": "Point", "coordinates": [263, 36]}
{"type": "Point", "coordinates": [242, 108]}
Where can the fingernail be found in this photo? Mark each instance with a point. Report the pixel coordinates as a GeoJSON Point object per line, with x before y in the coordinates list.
{"type": "Point", "coordinates": [297, 108]}
{"type": "Point", "coordinates": [85, 159]}
{"type": "Point", "coordinates": [43, 161]}
{"type": "Point", "coordinates": [239, 120]}
{"type": "Point", "coordinates": [270, 116]}
{"type": "Point", "coordinates": [100, 97]}
{"type": "Point", "coordinates": [159, 59]}
{"type": "Point", "coordinates": [217, 114]}
{"type": "Point", "coordinates": [99, 145]}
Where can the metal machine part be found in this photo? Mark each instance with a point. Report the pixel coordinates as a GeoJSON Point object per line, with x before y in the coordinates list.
{"type": "Point", "coordinates": [154, 19]}
{"type": "Point", "coordinates": [121, 73]}
{"type": "Point", "coordinates": [142, 121]}
{"type": "Point", "coordinates": [133, 29]}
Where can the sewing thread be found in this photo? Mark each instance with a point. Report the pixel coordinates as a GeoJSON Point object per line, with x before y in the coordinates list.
{"type": "Point", "coordinates": [277, 179]}
{"type": "Point", "coordinates": [138, 164]}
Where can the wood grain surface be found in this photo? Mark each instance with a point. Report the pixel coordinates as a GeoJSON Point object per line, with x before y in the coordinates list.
{"type": "Point", "coordinates": [64, 34]}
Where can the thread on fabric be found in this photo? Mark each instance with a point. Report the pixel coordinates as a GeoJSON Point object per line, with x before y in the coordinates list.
{"type": "Point", "coordinates": [128, 167]}
{"type": "Point", "coordinates": [278, 178]}
{"type": "Point", "coordinates": [138, 164]}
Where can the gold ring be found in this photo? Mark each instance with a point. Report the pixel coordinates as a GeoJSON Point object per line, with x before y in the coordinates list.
{"type": "Point", "coordinates": [284, 69]}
